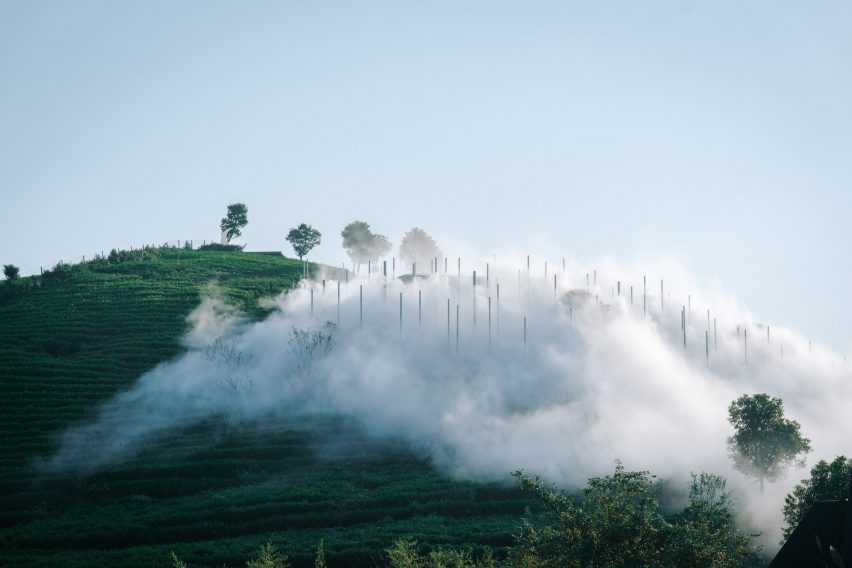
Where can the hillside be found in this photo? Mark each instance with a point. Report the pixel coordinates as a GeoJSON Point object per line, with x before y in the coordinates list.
{"type": "Point", "coordinates": [214, 493]}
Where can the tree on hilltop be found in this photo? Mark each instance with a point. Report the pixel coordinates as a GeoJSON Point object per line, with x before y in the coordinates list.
{"type": "Point", "coordinates": [303, 238]}
{"type": "Point", "coordinates": [361, 244]}
{"type": "Point", "coordinates": [232, 223]}
{"type": "Point", "coordinates": [11, 272]}
{"type": "Point", "coordinates": [417, 245]}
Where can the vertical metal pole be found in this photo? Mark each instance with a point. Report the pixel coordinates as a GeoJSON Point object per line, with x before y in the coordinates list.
{"type": "Point", "coordinates": [487, 276]}
{"type": "Point", "coordinates": [448, 324]}
{"type": "Point", "coordinates": [445, 265]}
{"type": "Point", "coordinates": [498, 311]}
{"type": "Point", "coordinates": [457, 328]}
{"type": "Point", "coordinates": [631, 294]}
{"type": "Point", "coordinates": [707, 347]}
{"type": "Point", "coordinates": [619, 288]}
{"type": "Point", "coordinates": [489, 323]}
{"type": "Point", "coordinates": [554, 285]}
{"type": "Point", "coordinates": [528, 264]}
{"type": "Point", "coordinates": [385, 268]}
{"type": "Point", "coordinates": [393, 266]}
{"type": "Point", "coordinates": [474, 299]}
{"type": "Point", "coordinates": [662, 305]}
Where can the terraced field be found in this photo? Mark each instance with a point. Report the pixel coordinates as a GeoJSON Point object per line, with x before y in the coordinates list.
{"type": "Point", "coordinates": [212, 493]}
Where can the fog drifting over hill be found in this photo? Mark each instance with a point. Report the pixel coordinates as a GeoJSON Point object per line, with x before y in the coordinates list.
{"type": "Point", "coordinates": [598, 378]}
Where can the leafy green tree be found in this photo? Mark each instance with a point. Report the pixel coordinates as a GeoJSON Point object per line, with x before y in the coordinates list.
{"type": "Point", "coordinates": [235, 220]}
{"type": "Point", "coordinates": [828, 481]}
{"type": "Point", "coordinates": [417, 245]}
{"type": "Point", "coordinates": [11, 272]}
{"type": "Point", "coordinates": [303, 238]}
{"type": "Point", "coordinates": [764, 443]}
{"type": "Point", "coordinates": [269, 557]}
{"type": "Point", "coordinates": [361, 244]}
{"type": "Point", "coordinates": [618, 521]}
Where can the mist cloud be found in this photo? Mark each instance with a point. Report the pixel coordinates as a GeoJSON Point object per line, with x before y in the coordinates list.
{"type": "Point", "coordinates": [597, 379]}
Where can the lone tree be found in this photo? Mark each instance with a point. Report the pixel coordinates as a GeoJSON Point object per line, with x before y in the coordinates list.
{"type": "Point", "coordinates": [303, 238]}
{"type": "Point", "coordinates": [828, 481]}
{"type": "Point", "coordinates": [361, 244]}
{"type": "Point", "coordinates": [764, 443]}
{"type": "Point", "coordinates": [236, 219]}
{"type": "Point", "coordinates": [11, 272]}
{"type": "Point", "coordinates": [417, 245]}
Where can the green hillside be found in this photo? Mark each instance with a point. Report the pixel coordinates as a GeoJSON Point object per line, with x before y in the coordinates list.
{"type": "Point", "coordinates": [212, 494]}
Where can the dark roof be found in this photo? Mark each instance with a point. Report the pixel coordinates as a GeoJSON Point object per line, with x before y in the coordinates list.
{"type": "Point", "coordinates": [823, 526]}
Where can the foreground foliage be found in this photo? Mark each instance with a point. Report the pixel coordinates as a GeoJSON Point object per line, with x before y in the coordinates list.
{"type": "Point", "coordinates": [828, 481]}
{"type": "Point", "coordinates": [618, 521]}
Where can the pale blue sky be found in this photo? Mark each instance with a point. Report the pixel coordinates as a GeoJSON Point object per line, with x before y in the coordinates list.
{"type": "Point", "coordinates": [717, 131]}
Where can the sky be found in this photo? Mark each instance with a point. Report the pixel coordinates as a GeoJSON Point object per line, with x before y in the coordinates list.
{"type": "Point", "coordinates": [716, 133]}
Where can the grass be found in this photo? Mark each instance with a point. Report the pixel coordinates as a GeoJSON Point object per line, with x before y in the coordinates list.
{"type": "Point", "coordinates": [79, 334]}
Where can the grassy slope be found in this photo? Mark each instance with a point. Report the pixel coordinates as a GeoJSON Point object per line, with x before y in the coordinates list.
{"type": "Point", "coordinates": [210, 494]}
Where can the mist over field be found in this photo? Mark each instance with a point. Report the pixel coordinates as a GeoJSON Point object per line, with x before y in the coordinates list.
{"type": "Point", "coordinates": [597, 379]}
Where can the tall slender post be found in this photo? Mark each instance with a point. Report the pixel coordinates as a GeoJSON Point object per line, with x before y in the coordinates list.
{"type": "Point", "coordinates": [489, 323]}
{"type": "Point", "coordinates": [393, 266]}
{"type": "Point", "coordinates": [474, 299]}
{"type": "Point", "coordinates": [385, 268]}
{"type": "Point", "coordinates": [369, 267]}
{"type": "Point", "coordinates": [662, 306]}
{"type": "Point", "coordinates": [528, 264]}
{"type": "Point", "coordinates": [707, 348]}
{"type": "Point", "coordinates": [631, 294]}
{"type": "Point", "coordinates": [554, 285]}
{"type": "Point", "coordinates": [361, 305]}
{"type": "Point", "coordinates": [487, 276]}
{"type": "Point", "coordinates": [498, 311]}
{"type": "Point", "coordinates": [448, 324]}
{"type": "Point", "coordinates": [619, 288]}
{"type": "Point", "coordinates": [457, 328]}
